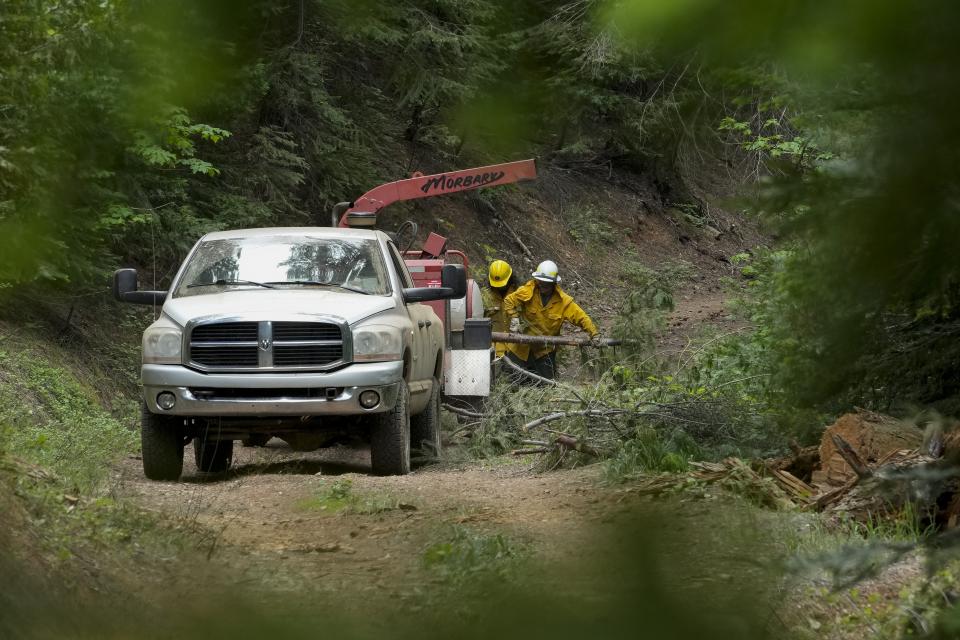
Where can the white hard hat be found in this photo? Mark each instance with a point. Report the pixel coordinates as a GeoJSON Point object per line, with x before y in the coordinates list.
{"type": "Point", "coordinates": [547, 271]}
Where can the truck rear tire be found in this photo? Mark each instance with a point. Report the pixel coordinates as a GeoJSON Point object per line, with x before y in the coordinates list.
{"type": "Point", "coordinates": [390, 438]}
{"type": "Point", "coordinates": [161, 439]}
{"type": "Point", "coordinates": [212, 456]}
{"type": "Point", "coordinates": [425, 428]}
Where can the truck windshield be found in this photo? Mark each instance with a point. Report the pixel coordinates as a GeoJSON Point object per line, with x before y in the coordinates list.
{"type": "Point", "coordinates": [282, 262]}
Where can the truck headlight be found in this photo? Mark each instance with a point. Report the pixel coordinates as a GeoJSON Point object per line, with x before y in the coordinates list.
{"type": "Point", "coordinates": [162, 345]}
{"type": "Point", "coordinates": [376, 343]}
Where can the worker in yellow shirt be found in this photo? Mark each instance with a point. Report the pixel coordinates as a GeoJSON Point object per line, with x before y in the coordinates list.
{"type": "Point", "coordinates": [544, 307]}
{"type": "Point", "coordinates": [503, 282]}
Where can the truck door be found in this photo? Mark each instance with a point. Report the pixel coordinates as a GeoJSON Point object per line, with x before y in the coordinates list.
{"type": "Point", "coordinates": [418, 314]}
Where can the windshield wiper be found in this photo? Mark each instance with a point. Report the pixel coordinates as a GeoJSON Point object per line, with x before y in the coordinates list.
{"type": "Point", "coordinates": [324, 284]}
{"type": "Point", "coordinates": [221, 283]}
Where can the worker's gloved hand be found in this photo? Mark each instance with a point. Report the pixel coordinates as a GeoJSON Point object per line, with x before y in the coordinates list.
{"type": "Point", "coordinates": [596, 340]}
{"type": "Point", "coordinates": [514, 325]}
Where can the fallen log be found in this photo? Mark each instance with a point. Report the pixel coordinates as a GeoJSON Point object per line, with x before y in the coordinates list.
{"type": "Point", "coordinates": [885, 491]}
{"type": "Point", "coordinates": [850, 457]}
{"type": "Point", "coordinates": [577, 445]}
{"type": "Point", "coordinates": [952, 513]}
{"type": "Point", "coordinates": [568, 341]}
{"type": "Point", "coordinates": [824, 500]}
{"type": "Point", "coordinates": [871, 435]}
{"type": "Point", "coordinates": [710, 467]}
{"type": "Point", "coordinates": [794, 486]}
{"type": "Point", "coordinates": [535, 443]}
{"type": "Point", "coordinates": [566, 414]}
{"type": "Point", "coordinates": [463, 412]}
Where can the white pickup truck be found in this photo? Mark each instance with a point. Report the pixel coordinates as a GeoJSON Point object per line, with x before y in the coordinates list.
{"type": "Point", "coordinates": [305, 334]}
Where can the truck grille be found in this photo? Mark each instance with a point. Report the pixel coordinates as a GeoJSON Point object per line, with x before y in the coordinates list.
{"type": "Point", "coordinates": [291, 331]}
{"type": "Point", "coordinates": [226, 332]}
{"type": "Point", "coordinates": [225, 356]}
{"type": "Point", "coordinates": [266, 345]}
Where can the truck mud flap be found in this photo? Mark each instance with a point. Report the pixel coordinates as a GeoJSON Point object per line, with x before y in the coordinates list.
{"type": "Point", "coordinates": [466, 372]}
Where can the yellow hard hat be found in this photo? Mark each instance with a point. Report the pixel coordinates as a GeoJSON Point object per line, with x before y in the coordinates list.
{"type": "Point", "coordinates": [500, 273]}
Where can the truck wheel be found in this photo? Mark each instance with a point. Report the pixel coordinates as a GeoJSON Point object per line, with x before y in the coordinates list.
{"type": "Point", "coordinates": [213, 456]}
{"type": "Point", "coordinates": [161, 440]}
{"type": "Point", "coordinates": [425, 428]}
{"type": "Point", "coordinates": [390, 438]}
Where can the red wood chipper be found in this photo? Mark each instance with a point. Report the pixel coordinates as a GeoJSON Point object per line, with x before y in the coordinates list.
{"type": "Point", "coordinates": [466, 369]}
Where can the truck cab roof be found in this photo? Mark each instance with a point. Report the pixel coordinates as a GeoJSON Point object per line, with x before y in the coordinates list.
{"type": "Point", "coordinates": [315, 232]}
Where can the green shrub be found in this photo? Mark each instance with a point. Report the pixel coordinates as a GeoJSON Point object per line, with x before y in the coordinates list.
{"type": "Point", "coordinates": [643, 314]}
{"type": "Point", "coordinates": [340, 497]}
{"type": "Point", "coordinates": [588, 226]}
{"type": "Point", "coordinates": [467, 555]}
{"type": "Point", "coordinates": [52, 419]}
{"type": "Point", "coordinates": [650, 451]}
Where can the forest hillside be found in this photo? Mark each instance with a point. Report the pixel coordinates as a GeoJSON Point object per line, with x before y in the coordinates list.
{"type": "Point", "coordinates": [756, 199]}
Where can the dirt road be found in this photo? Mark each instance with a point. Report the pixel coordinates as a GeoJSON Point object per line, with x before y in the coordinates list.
{"type": "Point", "coordinates": [278, 526]}
{"type": "Point", "coordinates": [275, 518]}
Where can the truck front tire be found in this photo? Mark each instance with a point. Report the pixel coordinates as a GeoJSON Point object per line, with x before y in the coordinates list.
{"type": "Point", "coordinates": [161, 439]}
{"type": "Point", "coordinates": [425, 428]}
{"type": "Point", "coordinates": [390, 438]}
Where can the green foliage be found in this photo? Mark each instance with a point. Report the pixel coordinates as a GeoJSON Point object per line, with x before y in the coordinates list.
{"type": "Point", "coordinates": [650, 452]}
{"type": "Point", "coordinates": [656, 286]}
{"type": "Point", "coordinates": [467, 555]}
{"type": "Point", "coordinates": [213, 116]}
{"type": "Point", "coordinates": [434, 56]}
{"type": "Point", "coordinates": [82, 143]}
{"type": "Point", "coordinates": [58, 454]}
{"type": "Point", "coordinates": [499, 431]}
{"type": "Point", "coordinates": [797, 148]}
{"type": "Point", "coordinates": [911, 523]}
{"type": "Point", "coordinates": [340, 497]}
{"type": "Point", "coordinates": [644, 311]}
{"type": "Point", "coordinates": [592, 230]}
{"type": "Point", "coordinates": [865, 298]}
{"type": "Point", "coordinates": [69, 527]}
{"type": "Point", "coordinates": [753, 366]}
{"type": "Point", "coordinates": [679, 420]}
{"type": "Point", "coordinates": [594, 96]}
{"type": "Point", "coordinates": [173, 143]}
{"type": "Point", "coordinates": [48, 417]}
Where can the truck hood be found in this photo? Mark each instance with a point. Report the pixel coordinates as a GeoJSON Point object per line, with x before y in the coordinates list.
{"type": "Point", "coordinates": [276, 304]}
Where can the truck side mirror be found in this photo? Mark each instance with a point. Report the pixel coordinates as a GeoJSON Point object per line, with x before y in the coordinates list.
{"type": "Point", "coordinates": [454, 276]}
{"type": "Point", "coordinates": [453, 284]}
{"type": "Point", "coordinates": [125, 289]}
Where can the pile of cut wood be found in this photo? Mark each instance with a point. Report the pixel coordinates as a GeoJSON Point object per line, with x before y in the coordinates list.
{"type": "Point", "coordinates": [867, 466]}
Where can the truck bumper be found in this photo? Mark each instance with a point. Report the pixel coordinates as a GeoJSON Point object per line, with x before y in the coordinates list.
{"type": "Point", "coordinates": [274, 394]}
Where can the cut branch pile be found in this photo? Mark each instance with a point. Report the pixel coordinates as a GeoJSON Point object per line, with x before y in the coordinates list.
{"type": "Point", "coordinates": [866, 466]}
{"type": "Point", "coordinates": [863, 472]}
{"type": "Point", "coordinates": [732, 474]}
{"type": "Point", "coordinates": [562, 443]}
{"type": "Point", "coordinates": [597, 421]}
